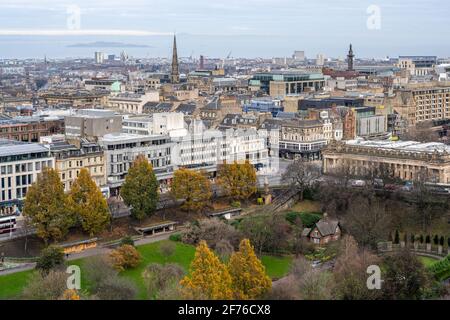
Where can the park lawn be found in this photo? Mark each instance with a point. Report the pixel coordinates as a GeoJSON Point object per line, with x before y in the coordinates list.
{"type": "Point", "coordinates": [11, 285]}
{"type": "Point", "coordinates": [276, 267]}
{"type": "Point", "coordinates": [427, 261]}
{"type": "Point", "coordinates": [183, 256]}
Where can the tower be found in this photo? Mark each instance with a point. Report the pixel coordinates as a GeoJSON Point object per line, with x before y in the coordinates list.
{"type": "Point", "coordinates": [350, 58]}
{"type": "Point", "coordinates": [175, 74]}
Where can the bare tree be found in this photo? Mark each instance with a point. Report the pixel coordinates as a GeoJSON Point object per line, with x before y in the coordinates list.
{"type": "Point", "coordinates": [301, 175]}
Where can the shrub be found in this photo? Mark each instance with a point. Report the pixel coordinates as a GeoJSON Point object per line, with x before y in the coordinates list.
{"type": "Point", "coordinates": [176, 237]}
{"type": "Point", "coordinates": [50, 258]}
{"type": "Point", "coordinates": [96, 270]}
{"type": "Point", "coordinates": [127, 240]}
{"type": "Point", "coordinates": [236, 204]}
{"type": "Point", "coordinates": [441, 269]}
{"type": "Point", "coordinates": [125, 257]}
{"type": "Point", "coordinates": [116, 288]}
{"type": "Point", "coordinates": [167, 248]}
{"type": "Point", "coordinates": [160, 279]}
{"type": "Point", "coordinates": [260, 201]}
{"type": "Point", "coordinates": [212, 231]}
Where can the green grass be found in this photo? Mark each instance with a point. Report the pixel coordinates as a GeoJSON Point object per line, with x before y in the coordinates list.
{"type": "Point", "coordinates": [276, 267]}
{"type": "Point", "coordinates": [12, 285]}
{"type": "Point", "coordinates": [183, 256]}
{"type": "Point", "coordinates": [427, 261]}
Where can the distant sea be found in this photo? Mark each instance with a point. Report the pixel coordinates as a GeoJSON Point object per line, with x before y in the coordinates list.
{"type": "Point", "coordinates": [210, 46]}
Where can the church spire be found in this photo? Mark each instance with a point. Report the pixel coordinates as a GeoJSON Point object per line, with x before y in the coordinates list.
{"type": "Point", "coordinates": [175, 74]}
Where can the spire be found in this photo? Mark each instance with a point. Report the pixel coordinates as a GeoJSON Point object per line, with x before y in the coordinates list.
{"type": "Point", "coordinates": [175, 74]}
{"type": "Point", "coordinates": [350, 58]}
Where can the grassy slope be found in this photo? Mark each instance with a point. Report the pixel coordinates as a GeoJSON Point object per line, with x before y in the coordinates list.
{"type": "Point", "coordinates": [11, 285]}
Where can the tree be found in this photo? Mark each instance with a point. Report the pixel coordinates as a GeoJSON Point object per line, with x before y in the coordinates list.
{"type": "Point", "coordinates": [125, 257]}
{"type": "Point", "coordinates": [224, 249]}
{"type": "Point", "coordinates": [193, 187]}
{"type": "Point", "coordinates": [238, 179]}
{"type": "Point", "coordinates": [267, 232]}
{"type": "Point", "coordinates": [70, 294]}
{"type": "Point", "coordinates": [301, 175]}
{"type": "Point", "coordinates": [163, 280]}
{"type": "Point", "coordinates": [116, 288]}
{"type": "Point", "coordinates": [140, 189]}
{"type": "Point", "coordinates": [397, 237]}
{"type": "Point", "coordinates": [208, 278]}
{"type": "Point", "coordinates": [50, 258]}
{"type": "Point", "coordinates": [405, 277]}
{"type": "Point", "coordinates": [350, 272]}
{"type": "Point", "coordinates": [248, 275]}
{"type": "Point", "coordinates": [88, 204]}
{"type": "Point", "coordinates": [46, 206]}
{"type": "Point", "coordinates": [212, 231]}
{"type": "Point", "coordinates": [96, 270]}
{"type": "Point", "coordinates": [367, 221]}
{"type": "Point", "coordinates": [167, 249]}
{"type": "Point", "coordinates": [46, 286]}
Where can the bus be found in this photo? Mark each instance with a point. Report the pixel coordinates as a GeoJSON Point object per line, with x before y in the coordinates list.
{"type": "Point", "coordinates": [7, 224]}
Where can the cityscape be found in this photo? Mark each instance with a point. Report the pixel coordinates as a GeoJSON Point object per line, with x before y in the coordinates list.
{"type": "Point", "coordinates": [131, 171]}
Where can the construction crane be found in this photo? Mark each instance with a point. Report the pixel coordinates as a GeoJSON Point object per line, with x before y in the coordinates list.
{"type": "Point", "coordinates": [229, 55]}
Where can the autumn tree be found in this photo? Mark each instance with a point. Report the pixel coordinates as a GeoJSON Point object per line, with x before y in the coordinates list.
{"type": "Point", "coordinates": [88, 204]}
{"type": "Point", "coordinates": [208, 278]}
{"type": "Point", "coordinates": [46, 206]}
{"type": "Point", "coordinates": [193, 187]}
{"type": "Point", "coordinates": [125, 257]}
{"type": "Point", "coordinates": [301, 175]}
{"type": "Point", "coordinates": [140, 189]}
{"type": "Point", "coordinates": [238, 179]}
{"type": "Point", "coordinates": [248, 275]}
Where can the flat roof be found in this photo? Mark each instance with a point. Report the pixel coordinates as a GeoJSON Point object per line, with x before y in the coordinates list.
{"type": "Point", "coordinates": [11, 148]}
{"type": "Point", "coordinates": [409, 146]}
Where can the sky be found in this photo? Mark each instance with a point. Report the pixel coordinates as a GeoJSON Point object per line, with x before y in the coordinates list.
{"type": "Point", "coordinates": [214, 28]}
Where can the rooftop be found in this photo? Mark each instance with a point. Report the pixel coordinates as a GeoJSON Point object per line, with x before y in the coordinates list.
{"type": "Point", "coordinates": [11, 148]}
{"type": "Point", "coordinates": [410, 146]}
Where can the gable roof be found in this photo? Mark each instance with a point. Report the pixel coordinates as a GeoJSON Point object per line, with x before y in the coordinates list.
{"type": "Point", "coordinates": [327, 226]}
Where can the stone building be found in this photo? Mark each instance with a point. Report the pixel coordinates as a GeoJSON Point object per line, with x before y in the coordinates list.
{"type": "Point", "coordinates": [405, 160]}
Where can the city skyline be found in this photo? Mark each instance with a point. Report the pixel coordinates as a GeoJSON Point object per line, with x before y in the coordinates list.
{"type": "Point", "coordinates": [252, 28]}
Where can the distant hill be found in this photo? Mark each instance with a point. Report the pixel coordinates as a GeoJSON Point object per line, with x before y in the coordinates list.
{"type": "Point", "coordinates": [104, 44]}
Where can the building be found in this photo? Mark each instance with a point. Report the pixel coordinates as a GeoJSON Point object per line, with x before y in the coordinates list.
{"type": "Point", "coordinates": [299, 55]}
{"type": "Point", "coordinates": [282, 83]}
{"type": "Point", "coordinates": [30, 129]}
{"type": "Point", "coordinates": [132, 102]}
{"type": "Point", "coordinates": [70, 159]}
{"type": "Point", "coordinates": [263, 105]}
{"type": "Point", "coordinates": [99, 57]}
{"type": "Point", "coordinates": [324, 231]}
{"type": "Point", "coordinates": [20, 164]}
{"type": "Point", "coordinates": [405, 160]}
{"type": "Point", "coordinates": [169, 123]}
{"type": "Point", "coordinates": [103, 84]}
{"type": "Point", "coordinates": [421, 103]}
{"type": "Point", "coordinates": [121, 149]}
{"type": "Point", "coordinates": [75, 98]}
{"type": "Point", "coordinates": [92, 123]}
{"type": "Point", "coordinates": [329, 102]}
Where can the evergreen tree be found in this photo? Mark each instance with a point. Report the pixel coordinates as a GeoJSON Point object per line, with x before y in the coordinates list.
{"type": "Point", "coordinates": [208, 278]}
{"type": "Point", "coordinates": [193, 187]}
{"type": "Point", "coordinates": [140, 189]}
{"type": "Point", "coordinates": [397, 237]}
{"type": "Point", "coordinates": [88, 204]}
{"type": "Point", "coordinates": [46, 206]}
{"type": "Point", "coordinates": [249, 278]}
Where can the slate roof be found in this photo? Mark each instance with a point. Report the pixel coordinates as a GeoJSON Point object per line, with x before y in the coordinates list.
{"type": "Point", "coordinates": [327, 226]}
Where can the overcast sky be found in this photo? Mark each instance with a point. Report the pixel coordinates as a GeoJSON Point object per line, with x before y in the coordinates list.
{"type": "Point", "coordinates": [246, 27]}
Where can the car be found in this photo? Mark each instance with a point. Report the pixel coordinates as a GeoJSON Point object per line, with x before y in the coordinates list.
{"type": "Point", "coordinates": [316, 263]}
